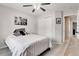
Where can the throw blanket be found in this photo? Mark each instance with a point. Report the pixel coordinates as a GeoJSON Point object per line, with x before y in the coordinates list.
{"type": "Point", "coordinates": [19, 44]}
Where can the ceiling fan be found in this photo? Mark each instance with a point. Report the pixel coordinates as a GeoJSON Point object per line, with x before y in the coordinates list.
{"type": "Point", "coordinates": [37, 6]}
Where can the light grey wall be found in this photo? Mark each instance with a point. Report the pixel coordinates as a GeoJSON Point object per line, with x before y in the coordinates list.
{"type": "Point", "coordinates": [59, 27]}
{"type": "Point", "coordinates": [69, 13]}
{"type": "Point", "coordinates": [7, 22]}
{"type": "Point", "coordinates": [47, 26]}
{"type": "Point", "coordinates": [77, 24]}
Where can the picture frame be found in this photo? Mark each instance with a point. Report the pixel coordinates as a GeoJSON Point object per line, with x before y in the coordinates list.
{"type": "Point", "coordinates": [20, 21]}
{"type": "Point", "coordinates": [58, 20]}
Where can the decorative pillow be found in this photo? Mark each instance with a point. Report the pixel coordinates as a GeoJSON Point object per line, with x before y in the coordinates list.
{"type": "Point", "coordinates": [16, 33]}
{"type": "Point", "coordinates": [22, 33]}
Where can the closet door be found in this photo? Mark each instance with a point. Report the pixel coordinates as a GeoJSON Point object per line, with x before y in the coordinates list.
{"type": "Point", "coordinates": [45, 26]}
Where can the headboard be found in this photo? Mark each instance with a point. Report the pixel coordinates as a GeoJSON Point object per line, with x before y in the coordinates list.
{"type": "Point", "coordinates": [20, 29]}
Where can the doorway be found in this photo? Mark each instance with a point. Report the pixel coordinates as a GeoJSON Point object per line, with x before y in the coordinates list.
{"type": "Point", "coordinates": [74, 28]}
{"type": "Point", "coordinates": [70, 26]}
{"type": "Point", "coordinates": [67, 27]}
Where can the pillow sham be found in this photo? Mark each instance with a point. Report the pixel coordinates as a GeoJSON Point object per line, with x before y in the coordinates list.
{"type": "Point", "coordinates": [18, 32]}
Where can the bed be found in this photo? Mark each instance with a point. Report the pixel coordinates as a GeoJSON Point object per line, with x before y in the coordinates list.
{"type": "Point", "coordinates": [27, 45]}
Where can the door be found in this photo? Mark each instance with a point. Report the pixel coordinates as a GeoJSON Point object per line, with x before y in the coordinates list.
{"type": "Point", "coordinates": [46, 27]}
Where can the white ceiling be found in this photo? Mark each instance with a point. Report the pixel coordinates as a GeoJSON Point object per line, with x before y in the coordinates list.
{"type": "Point", "coordinates": [49, 8]}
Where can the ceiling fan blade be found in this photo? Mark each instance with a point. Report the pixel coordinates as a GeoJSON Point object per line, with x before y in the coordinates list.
{"type": "Point", "coordinates": [27, 5]}
{"type": "Point", "coordinates": [45, 3]}
{"type": "Point", "coordinates": [33, 10]}
{"type": "Point", "coordinates": [42, 9]}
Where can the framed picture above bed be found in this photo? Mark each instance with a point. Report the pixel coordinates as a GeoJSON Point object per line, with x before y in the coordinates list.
{"type": "Point", "coordinates": [20, 21]}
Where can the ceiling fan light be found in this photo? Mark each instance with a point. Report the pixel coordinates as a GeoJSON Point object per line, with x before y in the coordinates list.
{"type": "Point", "coordinates": [35, 6]}
{"type": "Point", "coordinates": [38, 7]}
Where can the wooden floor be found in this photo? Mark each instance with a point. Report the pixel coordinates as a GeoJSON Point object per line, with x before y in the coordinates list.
{"type": "Point", "coordinates": [73, 48]}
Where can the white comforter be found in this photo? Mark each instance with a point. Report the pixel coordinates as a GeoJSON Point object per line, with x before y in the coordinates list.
{"type": "Point", "coordinates": [19, 44]}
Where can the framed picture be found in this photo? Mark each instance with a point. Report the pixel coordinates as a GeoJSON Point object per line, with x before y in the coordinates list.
{"type": "Point", "coordinates": [20, 21]}
{"type": "Point", "coordinates": [58, 20]}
